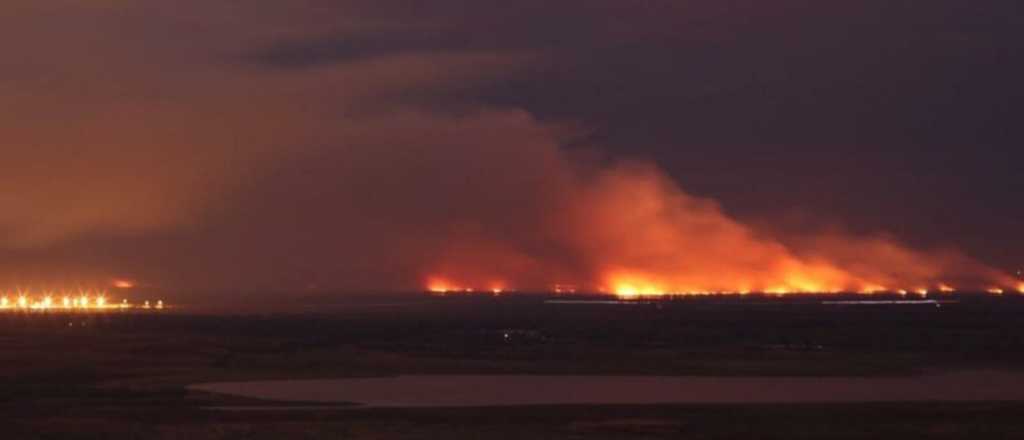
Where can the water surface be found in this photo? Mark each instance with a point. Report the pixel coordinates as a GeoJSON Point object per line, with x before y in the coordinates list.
{"type": "Point", "coordinates": [480, 390]}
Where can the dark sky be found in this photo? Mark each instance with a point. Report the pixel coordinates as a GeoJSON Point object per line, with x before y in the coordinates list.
{"type": "Point", "coordinates": [358, 143]}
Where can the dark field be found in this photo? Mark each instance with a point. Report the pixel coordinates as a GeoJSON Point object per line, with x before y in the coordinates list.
{"type": "Point", "coordinates": [123, 375]}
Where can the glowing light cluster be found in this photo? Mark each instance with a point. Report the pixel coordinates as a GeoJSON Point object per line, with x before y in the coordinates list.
{"type": "Point", "coordinates": [83, 300]}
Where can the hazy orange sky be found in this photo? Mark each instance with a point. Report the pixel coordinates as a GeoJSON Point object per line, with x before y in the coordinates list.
{"type": "Point", "coordinates": [356, 144]}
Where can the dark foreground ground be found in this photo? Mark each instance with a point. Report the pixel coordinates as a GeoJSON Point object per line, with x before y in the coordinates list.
{"type": "Point", "coordinates": [123, 375]}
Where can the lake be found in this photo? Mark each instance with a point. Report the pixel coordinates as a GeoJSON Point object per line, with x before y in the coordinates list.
{"type": "Point", "coordinates": [517, 390]}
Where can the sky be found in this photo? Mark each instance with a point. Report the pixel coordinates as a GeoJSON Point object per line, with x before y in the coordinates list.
{"type": "Point", "coordinates": [357, 144]}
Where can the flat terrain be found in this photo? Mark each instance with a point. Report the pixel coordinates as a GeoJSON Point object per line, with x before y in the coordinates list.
{"type": "Point", "coordinates": [125, 375]}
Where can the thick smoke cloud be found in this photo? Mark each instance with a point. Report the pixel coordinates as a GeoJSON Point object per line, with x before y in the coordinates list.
{"type": "Point", "coordinates": [358, 145]}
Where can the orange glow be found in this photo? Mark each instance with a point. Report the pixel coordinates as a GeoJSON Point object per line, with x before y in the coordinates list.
{"type": "Point", "coordinates": [442, 285]}
{"type": "Point", "coordinates": [630, 291]}
{"type": "Point", "coordinates": [124, 284]}
{"type": "Point", "coordinates": [995, 291]}
{"type": "Point", "coordinates": [945, 288]}
{"type": "Point", "coordinates": [630, 285]}
{"type": "Point", "coordinates": [1020, 288]}
{"type": "Point", "coordinates": [564, 288]}
{"type": "Point", "coordinates": [870, 290]}
{"type": "Point", "coordinates": [438, 285]}
{"type": "Point", "coordinates": [440, 288]}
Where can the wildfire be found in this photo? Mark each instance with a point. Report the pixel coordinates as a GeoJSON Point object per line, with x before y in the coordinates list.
{"type": "Point", "coordinates": [441, 285]}
{"type": "Point", "coordinates": [626, 285]}
{"type": "Point", "coordinates": [630, 230]}
{"type": "Point", "coordinates": [629, 285]}
{"type": "Point", "coordinates": [564, 288]}
{"type": "Point", "coordinates": [629, 290]}
{"type": "Point", "coordinates": [870, 290]}
{"type": "Point", "coordinates": [437, 285]}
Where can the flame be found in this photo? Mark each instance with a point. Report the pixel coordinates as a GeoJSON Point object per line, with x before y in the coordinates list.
{"type": "Point", "coordinates": [438, 285]}
{"type": "Point", "coordinates": [946, 288]}
{"type": "Point", "coordinates": [631, 291]}
{"type": "Point", "coordinates": [996, 291]}
{"type": "Point", "coordinates": [873, 289]}
{"type": "Point", "coordinates": [442, 285]}
{"type": "Point", "coordinates": [633, 285]}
